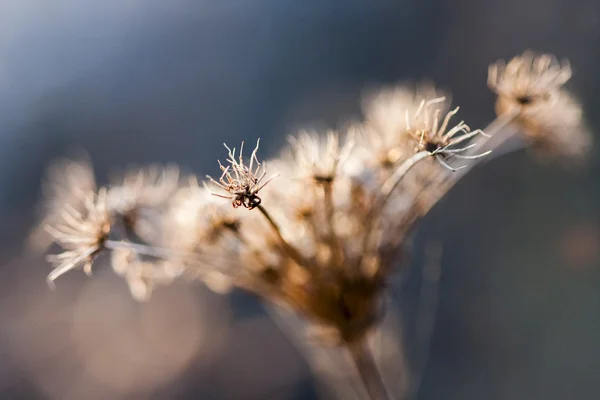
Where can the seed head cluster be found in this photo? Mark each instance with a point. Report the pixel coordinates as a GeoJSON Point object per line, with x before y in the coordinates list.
{"type": "Point", "coordinates": [324, 234]}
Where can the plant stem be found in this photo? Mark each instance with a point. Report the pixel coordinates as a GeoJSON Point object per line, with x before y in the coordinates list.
{"type": "Point", "coordinates": [368, 371]}
{"type": "Point", "coordinates": [336, 247]}
{"type": "Point", "coordinates": [163, 252]}
{"type": "Point", "coordinates": [386, 192]}
{"type": "Point", "coordinates": [393, 181]}
{"type": "Point", "coordinates": [288, 248]}
{"type": "Point", "coordinates": [497, 139]}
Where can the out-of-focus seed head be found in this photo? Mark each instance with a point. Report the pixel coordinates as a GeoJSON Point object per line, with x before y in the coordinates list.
{"type": "Point", "coordinates": [139, 196]}
{"type": "Point", "coordinates": [528, 82]}
{"type": "Point", "coordinates": [530, 90]}
{"type": "Point", "coordinates": [242, 182]}
{"type": "Point", "coordinates": [148, 187]}
{"type": "Point", "coordinates": [67, 182]}
{"type": "Point", "coordinates": [385, 120]}
{"type": "Point", "coordinates": [196, 218]}
{"type": "Point", "coordinates": [80, 234]}
{"type": "Point", "coordinates": [317, 157]}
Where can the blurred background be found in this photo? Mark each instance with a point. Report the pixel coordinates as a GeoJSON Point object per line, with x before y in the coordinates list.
{"type": "Point", "coordinates": [140, 81]}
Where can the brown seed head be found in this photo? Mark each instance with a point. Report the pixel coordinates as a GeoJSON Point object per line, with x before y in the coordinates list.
{"type": "Point", "coordinates": [242, 182]}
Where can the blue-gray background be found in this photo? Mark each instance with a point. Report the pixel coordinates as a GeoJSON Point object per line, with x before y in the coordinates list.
{"type": "Point", "coordinates": [150, 80]}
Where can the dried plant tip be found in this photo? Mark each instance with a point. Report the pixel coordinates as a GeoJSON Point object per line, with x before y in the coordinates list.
{"type": "Point", "coordinates": [318, 158]}
{"type": "Point", "coordinates": [530, 91]}
{"type": "Point", "coordinates": [527, 81]}
{"type": "Point", "coordinates": [242, 182]}
{"type": "Point", "coordinates": [434, 136]}
{"type": "Point", "coordinates": [66, 182]}
{"type": "Point", "coordinates": [81, 234]}
{"type": "Point", "coordinates": [143, 187]}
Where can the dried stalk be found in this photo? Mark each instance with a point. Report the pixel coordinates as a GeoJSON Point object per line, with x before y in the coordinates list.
{"type": "Point", "coordinates": [368, 371]}
{"type": "Point", "coordinates": [288, 248]}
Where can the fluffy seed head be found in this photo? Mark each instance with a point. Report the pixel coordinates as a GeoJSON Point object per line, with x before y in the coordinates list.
{"type": "Point", "coordinates": [317, 157]}
{"type": "Point", "coordinates": [527, 82]}
{"type": "Point", "coordinates": [143, 188]}
{"type": "Point", "coordinates": [382, 132]}
{"type": "Point", "coordinates": [530, 90]}
{"type": "Point", "coordinates": [80, 234]}
{"type": "Point", "coordinates": [67, 182]}
{"type": "Point", "coordinates": [139, 196]}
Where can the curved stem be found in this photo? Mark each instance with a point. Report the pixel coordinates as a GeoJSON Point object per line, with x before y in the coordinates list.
{"type": "Point", "coordinates": [336, 246]}
{"type": "Point", "coordinates": [386, 192]}
{"type": "Point", "coordinates": [151, 251]}
{"type": "Point", "coordinates": [368, 371]}
{"type": "Point", "coordinates": [393, 181]}
{"type": "Point", "coordinates": [288, 248]}
{"type": "Point", "coordinates": [497, 139]}
{"type": "Point", "coordinates": [163, 252]}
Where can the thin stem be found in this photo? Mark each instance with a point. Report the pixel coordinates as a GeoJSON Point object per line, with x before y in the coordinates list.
{"type": "Point", "coordinates": [500, 123]}
{"type": "Point", "coordinates": [291, 250]}
{"type": "Point", "coordinates": [393, 181]}
{"type": "Point", "coordinates": [337, 253]}
{"type": "Point", "coordinates": [426, 312]}
{"type": "Point", "coordinates": [494, 129]}
{"type": "Point", "coordinates": [163, 252]}
{"type": "Point", "coordinates": [386, 192]}
{"type": "Point", "coordinates": [368, 371]}
{"type": "Point", "coordinates": [151, 251]}
{"type": "Point", "coordinates": [498, 138]}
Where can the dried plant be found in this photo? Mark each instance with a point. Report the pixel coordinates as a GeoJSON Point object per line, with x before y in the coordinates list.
{"type": "Point", "coordinates": [530, 92]}
{"type": "Point", "coordinates": [325, 234]}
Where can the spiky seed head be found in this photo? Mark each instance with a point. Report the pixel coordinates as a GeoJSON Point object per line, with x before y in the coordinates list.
{"type": "Point", "coordinates": [242, 181]}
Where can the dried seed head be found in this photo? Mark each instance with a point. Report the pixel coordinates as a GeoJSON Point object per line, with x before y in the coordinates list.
{"type": "Point", "coordinates": [81, 234]}
{"type": "Point", "coordinates": [242, 182]}
{"type": "Point", "coordinates": [67, 182]}
{"type": "Point", "coordinates": [559, 131]}
{"type": "Point", "coordinates": [436, 136]}
{"type": "Point", "coordinates": [196, 218]}
{"type": "Point", "coordinates": [139, 196]}
{"type": "Point", "coordinates": [145, 187]}
{"type": "Point", "coordinates": [528, 82]}
{"type": "Point", "coordinates": [317, 157]}
{"type": "Point", "coordinates": [385, 120]}
{"type": "Point", "coordinates": [530, 89]}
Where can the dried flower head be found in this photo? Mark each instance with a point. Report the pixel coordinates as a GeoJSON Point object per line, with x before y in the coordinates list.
{"type": "Point", "coordinates": [196, 218]}
{"type": "Point", "coordinates": [67, 182]}
{"type": "Point", "coordinates": [385, 120]}
{"type": "Point", "coordinates": [139, 196]}
{"type": "Point", "coordinates": [317, 157]}
{"type": "Point", "coordinates": [242, 182]}
{"type": "Point", "coordinates": [440, 140]}
{"type": "Point", "coordinates": [81, 234]}
{"type": "Point", "coordinates": [527, 82]}
{"type": "Point", "coordinates": [145, 187]}
{"type": "Point", "coordinates": [530, 92]}
{"type": "Point", "coordinates": [330, 239]}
